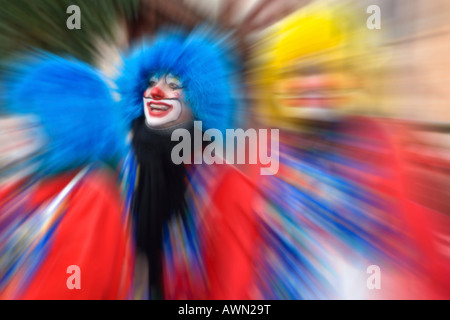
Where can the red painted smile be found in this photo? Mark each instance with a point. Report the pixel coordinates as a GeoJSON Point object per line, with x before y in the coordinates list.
{"type": "Point", "coordinates": [158, 109]}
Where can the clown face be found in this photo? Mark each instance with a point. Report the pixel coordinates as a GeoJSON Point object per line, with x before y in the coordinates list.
{"type": "Point", "coordinates": [314, 93]}
{"type": "Point", "coordinates": [164, 102]}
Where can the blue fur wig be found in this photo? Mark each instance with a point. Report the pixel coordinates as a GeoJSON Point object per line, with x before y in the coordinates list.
{"type": "Point", "coordinates": [75, 108]}
{"type": "Point", "coordinates": [199, 60]}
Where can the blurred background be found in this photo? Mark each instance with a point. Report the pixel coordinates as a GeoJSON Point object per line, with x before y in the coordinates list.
{"type": "Point", "coordinates": [405, 67]}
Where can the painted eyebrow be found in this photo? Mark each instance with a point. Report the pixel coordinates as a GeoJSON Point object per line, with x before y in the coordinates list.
{"type": "Point", "coordinates": [176, 81]}
{"type": "Point", "coordinates": [175, 78]}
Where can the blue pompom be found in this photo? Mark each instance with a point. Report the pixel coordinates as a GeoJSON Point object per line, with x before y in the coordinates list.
{"type": "Point", "coordinates": [75, 107]}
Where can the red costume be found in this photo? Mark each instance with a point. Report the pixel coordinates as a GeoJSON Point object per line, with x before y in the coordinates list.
{"type": "Point", "coordinates": [91, 234]}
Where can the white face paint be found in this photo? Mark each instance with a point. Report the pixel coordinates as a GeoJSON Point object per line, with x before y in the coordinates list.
{"type": "Point", "coordinates": [161, 112]}
{"type": "Point", "coordinates": [164, 104]}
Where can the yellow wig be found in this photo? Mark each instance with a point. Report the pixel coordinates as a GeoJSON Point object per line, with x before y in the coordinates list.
{"type": "Point", "coordinates": [319, 34]}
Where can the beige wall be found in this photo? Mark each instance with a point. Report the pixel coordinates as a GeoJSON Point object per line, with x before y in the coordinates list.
{"type": "Point", "coordinates": [418, 75]}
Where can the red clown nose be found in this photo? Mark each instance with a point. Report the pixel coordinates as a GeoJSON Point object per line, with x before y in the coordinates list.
{"type": "Point", "coordinates": [157, 93]}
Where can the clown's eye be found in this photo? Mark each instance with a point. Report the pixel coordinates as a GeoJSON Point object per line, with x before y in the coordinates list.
{"type": "Point", "coordinates": [174, 86]}
{"type": "Point", "coordinates": [173, 82]}
{"type": "Point", "coordinates": [153, 81]}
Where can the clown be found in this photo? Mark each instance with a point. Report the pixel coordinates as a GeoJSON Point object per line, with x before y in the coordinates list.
{"type": "Point", "coordinates": [167, 85]}
{"type": "Point", "coordinates": [60, 204]}
{"type": "Point", "coordinates": [338, 195]}
{"type": "Point", "coordinates": [313, 73]}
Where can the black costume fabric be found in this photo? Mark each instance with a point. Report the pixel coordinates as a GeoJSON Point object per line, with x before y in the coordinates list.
{"type": "Point", "coordinates": [159, 193]}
